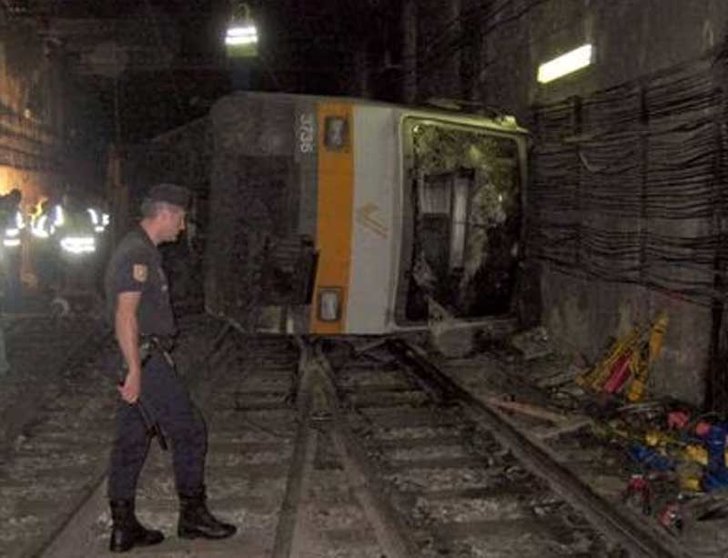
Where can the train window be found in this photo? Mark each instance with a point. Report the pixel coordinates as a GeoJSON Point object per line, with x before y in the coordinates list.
{"type": "Point", "coordinates": [465, 219]}
{"type": "Point", "coordinates": [336, 133]}
{"type": "Point", "coordinates": [329, 304]}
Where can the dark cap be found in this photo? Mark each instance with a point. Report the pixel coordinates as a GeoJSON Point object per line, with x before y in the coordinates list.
{"type": "Point", "coordinates": [170, 193]}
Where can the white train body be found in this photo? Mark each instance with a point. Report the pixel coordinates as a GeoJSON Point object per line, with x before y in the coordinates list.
{"type": "Point", "coordinates": [374, 218]}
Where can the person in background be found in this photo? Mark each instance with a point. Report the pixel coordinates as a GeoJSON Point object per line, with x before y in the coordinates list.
{"type": "Point", "coordinates": [11, 225]}
{"type": "Point", "coordinates": [45, 254]}
{"type": "Point", "coordinates": [4, 364]}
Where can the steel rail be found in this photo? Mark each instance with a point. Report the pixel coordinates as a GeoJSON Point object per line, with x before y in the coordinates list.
{"type": "Point", "coordinates": [393, 536]}
{"type": "Point", "coordinates": [639, 539]}
{"type": "Point", "coordinates": [24, 409]}
{"type": "Point", "coordinates": [299, 473]}
{"type": "Point", "coordinates": [318, 410]}
{"type": "Point", "coordinates": [72, 536]}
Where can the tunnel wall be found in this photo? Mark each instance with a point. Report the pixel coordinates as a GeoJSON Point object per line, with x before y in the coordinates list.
{"type": "Point", "coordinates": [32, 112]}
{"type": "Point", "coordinates": [624, 208]}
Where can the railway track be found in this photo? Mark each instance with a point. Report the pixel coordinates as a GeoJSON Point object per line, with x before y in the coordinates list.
{"type": "Point", "coordinates": [42, 351]}
{"type": "Point", "coordinates": [244, 389]}
{"type": "Point", "coordinates": [323, 449]}
{"type": "Point", "coordinates": [43, 402]}
{"type": "Point", "coordinates": [57, 409]}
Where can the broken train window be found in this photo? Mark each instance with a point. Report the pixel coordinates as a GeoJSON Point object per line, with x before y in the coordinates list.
{"type": "Point", "coordinates": [466, 219]}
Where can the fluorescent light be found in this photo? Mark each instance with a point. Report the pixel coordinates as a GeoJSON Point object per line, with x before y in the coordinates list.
{"type": "Point", "coordinates": [565, 64]}
{"type": "Point", "coordinates": [241, 35]}
{"type": "Point", "coordinates": [232, 41]}
{"type": "Point", "coordinates": [11, 242]}
{"type": "Point", "coordinates": [242, 31]}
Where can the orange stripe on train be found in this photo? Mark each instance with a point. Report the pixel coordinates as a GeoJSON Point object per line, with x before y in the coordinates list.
{"type": "Point", "coordinates": [335, 207]}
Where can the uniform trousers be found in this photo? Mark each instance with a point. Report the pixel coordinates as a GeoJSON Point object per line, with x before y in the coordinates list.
{"type": "Point", "coordinates": [165, 398]}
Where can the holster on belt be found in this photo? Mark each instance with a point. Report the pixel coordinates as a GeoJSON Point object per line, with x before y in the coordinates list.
{"type": "Point", "coordinates": [151, 343]}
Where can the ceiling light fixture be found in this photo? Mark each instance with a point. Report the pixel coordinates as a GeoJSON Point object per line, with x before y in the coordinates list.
{"type": "Point", "coordinates": [241, 38]}
{"type": "Point", "coordinates": [566, 64]}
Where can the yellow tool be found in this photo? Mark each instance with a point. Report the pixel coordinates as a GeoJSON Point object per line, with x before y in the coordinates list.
{"type": "Point", "coordinates": [640, 366]}
{"type": "Point", "coordinates": [691, 484]}
{"type": "Point", "coordinates": [696, 453]}
{"type": "Point", "coordinates": [597, 376]}
{"type": "Point", "coordinates": [642, 352]}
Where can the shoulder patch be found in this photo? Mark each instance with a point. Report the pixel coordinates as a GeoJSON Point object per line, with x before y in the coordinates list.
{"type": "Point", "coordinates": [140, 272]}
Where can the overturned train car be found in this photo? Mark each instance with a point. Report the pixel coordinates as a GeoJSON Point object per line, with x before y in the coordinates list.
{"type": "Point", "coordinates": [340, 216]}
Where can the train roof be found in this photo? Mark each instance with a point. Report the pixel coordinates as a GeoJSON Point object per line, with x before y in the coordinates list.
{"type": "Point", "coordinates": [501, 121]}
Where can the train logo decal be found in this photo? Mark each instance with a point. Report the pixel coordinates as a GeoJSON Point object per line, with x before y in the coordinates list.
{"type": "Point", "coordinates": [367, 218]}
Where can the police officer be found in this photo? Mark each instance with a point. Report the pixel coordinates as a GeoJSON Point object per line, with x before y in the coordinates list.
{"type": "Point", "coordinates": [138, 298]}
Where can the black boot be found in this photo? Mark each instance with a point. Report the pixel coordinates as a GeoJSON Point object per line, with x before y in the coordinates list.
{"type": "Point", "coordinates": [196, 521]}
{"type": "Point", "coordinates": [127, 532]}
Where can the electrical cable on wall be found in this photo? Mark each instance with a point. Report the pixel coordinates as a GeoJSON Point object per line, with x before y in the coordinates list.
{"type": "Point", "coordinates": [606, 200]}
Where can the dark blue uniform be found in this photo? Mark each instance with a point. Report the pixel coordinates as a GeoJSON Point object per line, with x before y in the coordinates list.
{"type": "Point", "coordinates": [136, 266]}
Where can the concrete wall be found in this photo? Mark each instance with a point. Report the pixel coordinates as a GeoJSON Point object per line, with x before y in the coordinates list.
{"type": "Point", "coordinates": [633, 39]}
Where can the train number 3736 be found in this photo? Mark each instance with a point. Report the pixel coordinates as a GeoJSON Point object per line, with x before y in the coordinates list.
{"type": "Point", "coordinates": [307, 133]}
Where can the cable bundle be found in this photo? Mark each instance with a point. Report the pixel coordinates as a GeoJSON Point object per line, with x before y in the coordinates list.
{"type": "Point", "coordinates": [627, 183]}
